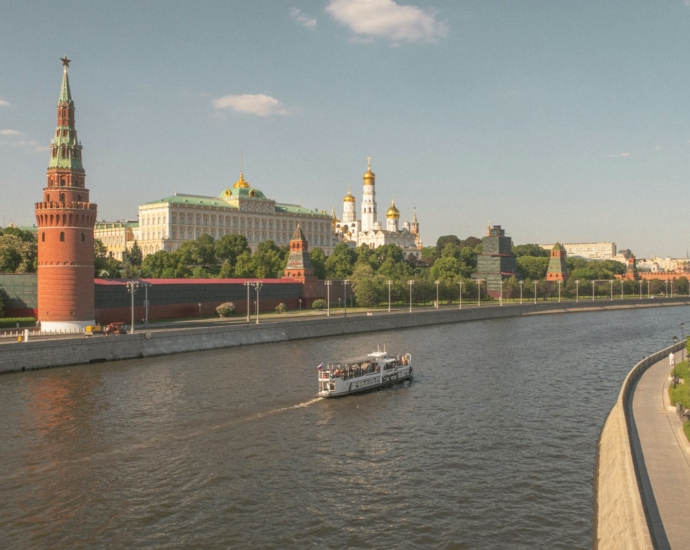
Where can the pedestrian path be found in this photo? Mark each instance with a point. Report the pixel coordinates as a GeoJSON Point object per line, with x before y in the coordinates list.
{"type": "Point", "coordinates": [662, 453]}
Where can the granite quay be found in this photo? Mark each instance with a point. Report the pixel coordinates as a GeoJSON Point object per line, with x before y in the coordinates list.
{"type": "Point", "coordinates": [36, 354]}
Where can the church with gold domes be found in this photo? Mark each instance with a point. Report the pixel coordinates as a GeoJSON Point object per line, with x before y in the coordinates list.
{"type": "Point", "coordinates": [369, 230]}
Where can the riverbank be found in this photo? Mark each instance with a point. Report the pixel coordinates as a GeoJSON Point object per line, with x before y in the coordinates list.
{"type": "Point", "coordinates": [63, 352]}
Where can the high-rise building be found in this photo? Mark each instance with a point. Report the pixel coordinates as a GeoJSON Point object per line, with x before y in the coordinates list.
{"type": "Point", "coordinates": [65, 228]}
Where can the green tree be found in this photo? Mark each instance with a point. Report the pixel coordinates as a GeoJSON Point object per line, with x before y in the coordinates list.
{"type": "Point", "coordinates": [269, 260]}
{"type": "Point", "coordinates": [244, 267]}
{"type": "Point", "coordinates": [225, 270]}
{"type": "Point", "coordinates": [681, 286]}
{"type": "Point", "coordinates": [229, 247]}
{"type": "Point", "coordinates": [133, 256]}
{"type": "Point", "coordinates": [511, 288]}
{"type": "Point", "coordinates": [22, 234]}
{"type": "Point", "coordinates": [200, 251]}
{"type": "Point", "coordinates": [366, 293]}
{"type": "Point", "coordinates": [446, 268]}
{"type": "Point", "coordinates": [446, 240]}
{"type": "Point", "coordinates": [533, 250]}
{"type": "Point", "coordinates": [340, 262]}
{"type": "Point", "coordinates": [318, 261]}
{"type": "Point", "coordinates": [199, 272]}
{"type": "Point", "coordinates": [532, 267]}
{"type": "Point", "coordinates": [429, 255]}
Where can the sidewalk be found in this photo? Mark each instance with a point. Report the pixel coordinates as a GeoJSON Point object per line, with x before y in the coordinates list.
{"type": "Point", "coordinates": [662, 453]}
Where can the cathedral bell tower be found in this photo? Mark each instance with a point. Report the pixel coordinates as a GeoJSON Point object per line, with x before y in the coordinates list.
{"type": "Point", "coordinates": [369, 216]}
{"type": "Point", "coordinates": [65, 220]}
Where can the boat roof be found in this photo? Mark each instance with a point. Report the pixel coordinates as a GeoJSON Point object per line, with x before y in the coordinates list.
{"type": "Point", "coordinates": [361, 359]}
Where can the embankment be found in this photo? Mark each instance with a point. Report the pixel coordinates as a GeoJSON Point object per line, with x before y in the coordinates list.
{"type": "Point", "coordinates": [53, 353]}
{"type": "Point", "coordinates": [619, 514]}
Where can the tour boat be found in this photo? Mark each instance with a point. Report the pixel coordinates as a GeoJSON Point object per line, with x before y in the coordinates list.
{"type": "Point", "coordinates": [376, 370]}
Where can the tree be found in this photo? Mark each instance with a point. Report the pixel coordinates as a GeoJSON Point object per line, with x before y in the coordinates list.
{"type": "Point", "coordinates": [133, 256]}
{"type": "Point", "coordinates": [318, 261]}
{"type": "Point", "coordinates": [681, 286]}
{"type": "Point", "coordinates": [229, 247]}
{"type": "Point", "coordinates": [444, 241]}
{"type": "Point", "coordinates": [446, 268]}
{"type": "Point", "coordinates": [429, 255]}
{"type": "Point", "coordinates": [21, 234]}
{"type": "Point", "coordinates": [244, 267]}
{"type": "Point", "coordinates": [511, 288]}
{"type": "Point", "coordinates": [268, 260]}
{"type": "Point", "coordinates": [16, 254]}
{"type": "Point", "coordinates": [470, 242]}
{"type": "Point", "coordinates": [340, 262]}
{"type": "Point", "coordinates": [530, 250]}
{"type": "Point", "coordinates": [200, 251]}
{"type": "Point", "coordinates": [366, 293]}
{"type": "Point", "coordinates": [225, 270]}
{"type": "Point", "coordinates": [532, 267]}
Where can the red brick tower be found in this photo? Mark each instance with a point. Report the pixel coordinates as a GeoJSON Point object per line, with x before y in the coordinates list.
{"type": "Point", "coordinates": [631, 271]}
{"type": "Point", "coordinates": [299, 267]}
{"type": "Point", "coordinates": [557, 270]}
{"type": "Point", "coordinates": [65, 221]}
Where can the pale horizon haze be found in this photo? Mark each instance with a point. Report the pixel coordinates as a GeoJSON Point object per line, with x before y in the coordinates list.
{"type": "Point", "coordinates": [560, 121]}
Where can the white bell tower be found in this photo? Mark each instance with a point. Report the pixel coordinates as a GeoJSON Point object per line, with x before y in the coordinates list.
{"type": "Point", "coordinates": [369, 216]}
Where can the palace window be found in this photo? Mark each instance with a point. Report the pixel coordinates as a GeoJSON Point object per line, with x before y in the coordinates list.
{"type": "Point", "coordinates": [62, 236]}
{"type": "Point", "coordinates": [43, 237]}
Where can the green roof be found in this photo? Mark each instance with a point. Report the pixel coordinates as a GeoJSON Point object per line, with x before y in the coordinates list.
{"type": "Point", "coordinates": [112, 225]}
{"type": "Point", "coordinates": [65, 93]}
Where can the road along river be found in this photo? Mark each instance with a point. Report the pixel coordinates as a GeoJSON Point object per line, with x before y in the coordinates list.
{"type": "Point", "coordinates": [491, 446]}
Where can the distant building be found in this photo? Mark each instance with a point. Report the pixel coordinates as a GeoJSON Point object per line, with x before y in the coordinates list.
{"type": "Point", "coordinates": [497, 261]}
{"type": "Point", "coordinates": [117, 237]}
{"type": "Point", "coordinates": [588, 251]}
{"type": "Point", "coordinates": [557, 270]}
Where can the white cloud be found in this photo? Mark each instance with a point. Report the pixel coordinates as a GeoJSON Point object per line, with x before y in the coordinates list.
{"type": "Point", "coordinates": [4, 103]}
{"type": "Point", "coordinates": [9, 133]}
{"type": "Point", "coordinates": [256, 104]}
{"type": "Point", "coordinates": [619, 155]}
{"type": "Point", "coordinates": [370, 19]}
{"type": "Point", "coordinates": [659, 147]}
{"type": "Point", "coordinates": [303, 19]}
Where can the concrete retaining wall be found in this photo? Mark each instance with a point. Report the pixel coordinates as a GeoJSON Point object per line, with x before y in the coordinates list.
{"type": "Point", "coordinates": [53, 353]}
{"type": "Point", "coordinates": [619, 516]}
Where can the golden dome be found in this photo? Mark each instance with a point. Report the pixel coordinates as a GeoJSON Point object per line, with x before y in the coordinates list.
{"type": "Point", "coordinates": [241, 183]}
{"type": "Point", "coordinates": [393, 212]}
{"type": "Point", "coordinates": [349, 198]}
{"type": "Point", "coordinates": [369, 175]}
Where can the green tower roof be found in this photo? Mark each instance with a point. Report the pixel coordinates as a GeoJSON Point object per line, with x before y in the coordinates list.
{"type": "Point", "coordinates": [65, 93]}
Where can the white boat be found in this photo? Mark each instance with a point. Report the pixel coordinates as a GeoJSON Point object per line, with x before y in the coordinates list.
{"type": "Point", "coordinates": [376, 370]}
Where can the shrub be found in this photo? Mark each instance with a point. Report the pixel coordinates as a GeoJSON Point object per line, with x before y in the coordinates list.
{"type": "Point", "coordinates": [225, 309]}
{"type": "Point", "coordinates": [319, 304]}
{"type": "Point", "coordinates": [11, 322]}
{"type": "Point", "coordinates": [281, 308]}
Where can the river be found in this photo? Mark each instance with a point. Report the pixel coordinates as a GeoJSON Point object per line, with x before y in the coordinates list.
{"type": "Point", "coordinates": [492, 445]}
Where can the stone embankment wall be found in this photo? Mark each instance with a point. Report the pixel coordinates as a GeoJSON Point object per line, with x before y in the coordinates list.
{"type": "Point", "coordinates": [53, 353]}
{"type": "Point", "coordinates": [619, 517]}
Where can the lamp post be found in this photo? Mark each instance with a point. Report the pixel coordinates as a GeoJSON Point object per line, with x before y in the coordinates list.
{"type": "Point", "coordinates": [559, 291]}
{"type": "Point", "coordinates": [671, 288]}
{"type": "Point", "coordinates": [682, 328]}
{"type": "Point", "coordinates": [248, 284]}
{"type": "Point", "coordinates": [621, 289]}
{"type": "Point", "coordinates": [389, 283]}
{"type": "Point", "coordinates": [257, 288]}
{"type": "Point", "coordinates": [479, 292]}
{"type": "Point", "coordinates": [146, 302]}
{"type": "Point", "coordinates": [410, 283]}
{"type": "Point", "coordinates": [535, 293]}
{"type": "Point", "coordinates": [611, 281]}
{"type": "Point", "coordinates": [500, 297]}
{"type": "Point", "coordinates": [132, 287]}
{"type": "Point", "coordinates": [522, 284]}
{"type": "Point", "coordinates": [592, 291]}
{"type": "Point", "coordinates": [460, 283]}
{"type": "Point", "coordinates": [328, 297]}
{"type": "Point", "coordinates": [675, 341]}
{"type": "Point", "coordinates": [666, 292]}
{"type": "Point", "coordinates": [640, 289]}
{"type": "Point", "coordinates": [647, 289]}
{"type": "Point", "coordinates": [345, 283]}
{"type": "Point", "coordinates": [577, 291]}
{"type": "Point", "coordinates": [437, 283]}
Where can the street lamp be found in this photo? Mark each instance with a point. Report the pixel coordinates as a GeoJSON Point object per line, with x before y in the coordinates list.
{"type": "Point", "coordinates": [328, 297]}
{"type": "Point", "coordinates": [437, 283]}
{"type": "Point", "coordinates": [500, 297]}
{"type": "Point", "coordinates": [592, 291]}
{"type": "Point", "coordinates": [410, 283]}
{"type": "Point", "coordinates": [535, 293]}
{"type": "Point", "coordinates": [522, 284]}
{"type": "Point", "coordinates": [460, 283]}
{"type": "Point", "coordinates": [345, 283]}
{"type": "Point", "coordinates": [621, 289]}
{"type": "Point", "coordinates": [389, 283]}
{"type": "Point", "coordinates": [671, 288]}
{"type": "Point", "coordinates": [146, 301]}
{"type": "Point", "coordinates": [248, 284]}
{"type": "Point", "coordinates": [132, 287]}
{"type": "Point", "coordinates": [559, 291]}
{"type": "Point", "coordinates": [479, 292]}
{"type": "Point", "coordinates": [647, 289]}
{"type": "Point", "coordinates": [682, 328]}
{"type": "Point", "coordinates": [640, 289]}
{"type": "Point", "coordinates": [611, 281]}
{"type": "Point", "coordinates": [666, 288]}
{"type": "Point", "coordinates": [577, 291]}
{"type": "Point", "coordinates": [257, 288]}
{"type": "Point", "coordinates": [675, 341]}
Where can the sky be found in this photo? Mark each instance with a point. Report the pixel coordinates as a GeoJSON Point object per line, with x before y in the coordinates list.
{"type": "Point", "coordinates": [559, 120]}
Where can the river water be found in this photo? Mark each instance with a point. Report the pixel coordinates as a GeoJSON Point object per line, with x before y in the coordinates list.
{"type": "Point", "coordinates": [491, 446]}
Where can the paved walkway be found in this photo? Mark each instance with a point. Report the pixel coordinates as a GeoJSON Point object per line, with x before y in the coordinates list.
{"type": "Point", "coordinates": [663, 456]}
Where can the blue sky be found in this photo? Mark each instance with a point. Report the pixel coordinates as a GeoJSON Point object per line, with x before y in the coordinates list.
{"type": "Point", "coordinates": [559, 120]}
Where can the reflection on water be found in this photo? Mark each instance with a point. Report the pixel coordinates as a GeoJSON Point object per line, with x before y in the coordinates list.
{"type": "Point", "coordinates": [491, 446]}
